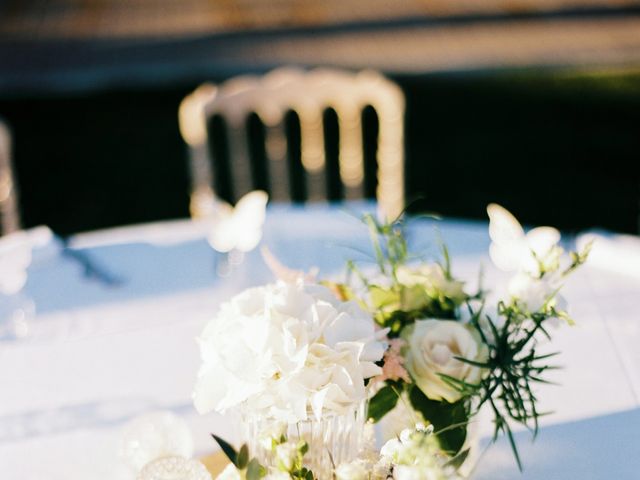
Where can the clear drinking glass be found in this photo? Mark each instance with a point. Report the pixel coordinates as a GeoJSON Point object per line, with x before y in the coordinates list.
{"type": "Point", "coordinates": [332, 439]}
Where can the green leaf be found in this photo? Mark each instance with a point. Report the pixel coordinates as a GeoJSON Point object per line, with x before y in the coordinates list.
{"type": "Point", "coordinates": [383, 298]}
{"type": "Point", "coordinates": [457, 461]}
{"type": "Point", "coordinates": [309, 475]}
{"type": "Point", "coordinates": [413, 298]}
{"type": "Point", "coordinates": [303, 447]}
{"type": "Point", "coordinates": [447, 259]}
{"type": "Point", "coordinates": [374, 231]}
{"type": "Point", "coordinates": [255, 471]}
{"type": "Point", "coordinates": [243, 457]}
{"type": "Point", "coordinates": [514, 448]}
{"type": "Point", "coordinates": [382, 402]}
{"type": "Point", "coordinates": [442, 415]}
{"type": "Point", "coordinates": [228, 450]}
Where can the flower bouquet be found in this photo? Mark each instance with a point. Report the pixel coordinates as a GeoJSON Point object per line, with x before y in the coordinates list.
{"type": "Point", "coordinates": [451, 352]}
{"type": "Point", "coordinates": [310, 366]}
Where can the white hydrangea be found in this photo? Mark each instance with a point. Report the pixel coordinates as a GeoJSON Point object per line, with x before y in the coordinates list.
{"type": "Point", "coordinates": [283, 350]}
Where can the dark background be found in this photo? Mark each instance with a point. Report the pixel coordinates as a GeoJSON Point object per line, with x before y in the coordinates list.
{"type": "Point", "coordinates": [556, 139]}
{"type": "Point", "coordinates": [555, 148]}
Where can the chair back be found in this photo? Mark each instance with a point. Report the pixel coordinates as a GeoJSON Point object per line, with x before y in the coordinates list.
{"type": "Point", "coordinates": [308, 94]}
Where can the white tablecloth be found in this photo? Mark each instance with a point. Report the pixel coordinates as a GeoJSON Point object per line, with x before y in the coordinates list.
{"type": "Point", "coordinates": [109, 353]}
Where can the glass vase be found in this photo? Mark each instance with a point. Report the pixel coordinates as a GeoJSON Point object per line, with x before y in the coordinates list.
{"type": "Point", "coordinates": [332, 439]}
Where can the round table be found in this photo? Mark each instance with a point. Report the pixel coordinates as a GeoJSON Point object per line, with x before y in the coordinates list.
{"type": "Point", "coordinates": [106, 353]}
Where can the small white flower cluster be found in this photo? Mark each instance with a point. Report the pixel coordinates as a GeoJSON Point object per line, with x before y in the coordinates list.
{"type": "Point", "coordinates": [535, 257]}
{"type": "Point", "coordinates": [356, 470]}
{"type": "Point", "coordinates": [288, 462]}
{"type": "Point", "coordinates": [414, 455]}
{"type": "Point", "coordinates": [285, 350]}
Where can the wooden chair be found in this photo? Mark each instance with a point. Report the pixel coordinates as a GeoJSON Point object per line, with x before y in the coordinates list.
{"type": "Point", "coordinates": [9, 214]}
{"type": "Point", "coordinates": [309, 94]}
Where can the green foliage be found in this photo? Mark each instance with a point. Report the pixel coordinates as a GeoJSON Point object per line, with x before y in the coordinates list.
{"type": "Point", "coordinates": [457, 461]}
{"type": "Point", "coordinates": [243, 457]}
{"type": "Point", "coordinates": [449, 420]}
{"type": "Point", "coordinates": [304, 448]}
{"type": "Point", "coordinates": [252, 467]}
{"type": "Point", "coordinates": [578, 259]}
{"type": "Point", "coordinates": [255, 471]}
{"type": "Point", "coordinates": [389, 244]}
{"type": "Point", "coordinates": [513, 366]}
{"type": "Point", "coordinates": [384, 401]}
{"type": "Point", "coordinates": [302, 474]}
{"type": "Point", "coordinates": [394, 307]}
{"type": "Point", "coordinates": [397, 305]}
{"type": "Point", "coordinates": [227, 449]}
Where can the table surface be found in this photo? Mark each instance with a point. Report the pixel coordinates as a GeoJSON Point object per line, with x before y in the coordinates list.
{"type": "Point", "coordinates": [103, 354]}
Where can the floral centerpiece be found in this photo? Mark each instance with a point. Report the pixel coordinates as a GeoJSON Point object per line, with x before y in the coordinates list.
{"type": "Point", "coordinates": [306, 364]}
{"type": "Point", "coordinates": [452, 352]}
{"type": "Point", "coordinates": [294, 359]}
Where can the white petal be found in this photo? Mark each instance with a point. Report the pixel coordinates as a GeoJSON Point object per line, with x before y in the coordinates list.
{"type": "Point", "coordinates": [542, 239]}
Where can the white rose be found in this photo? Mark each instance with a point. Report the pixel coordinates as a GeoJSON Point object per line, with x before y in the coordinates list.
{"type": "Point", "coordinates": [283, 350]}
{"type": "Point", "coordinates": [356, 470]}
{"type": "Point", "coordinates": [532, 293]}
{"type": "Point", "coordinates": [432, 346]}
